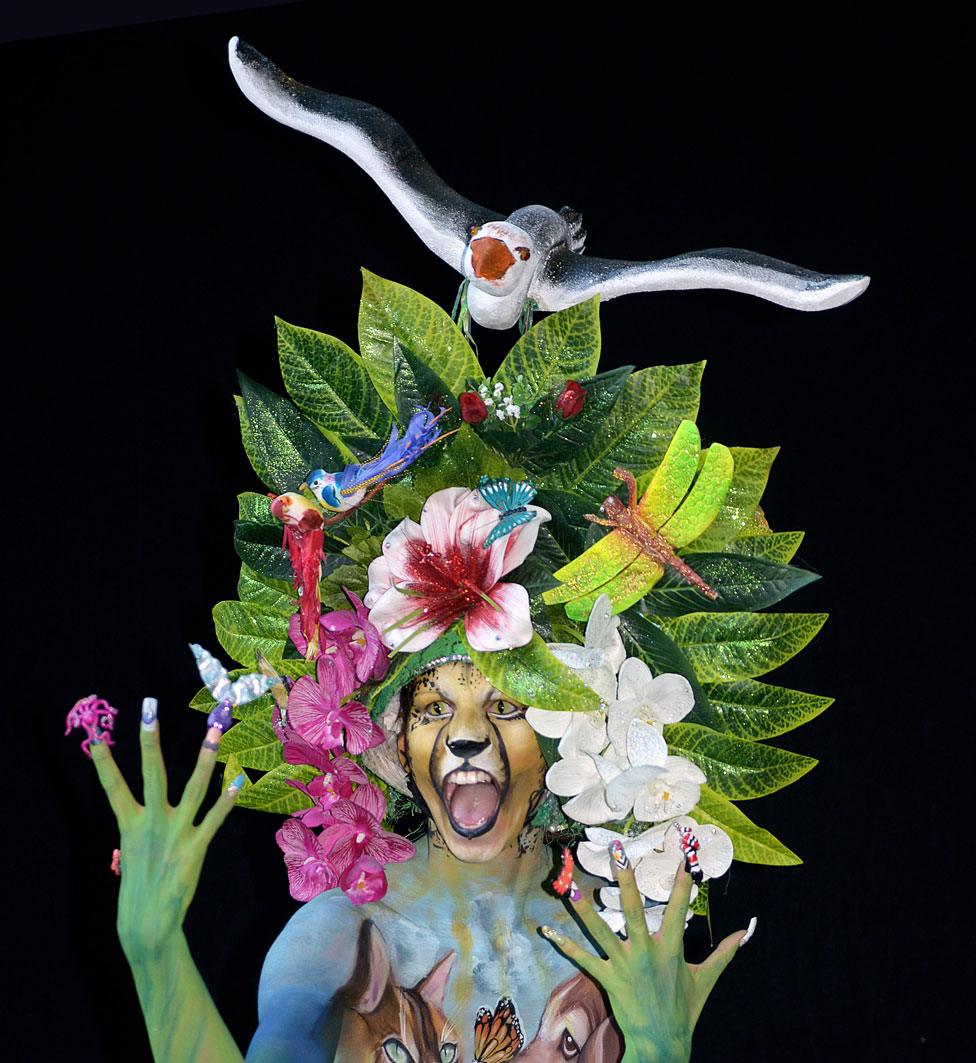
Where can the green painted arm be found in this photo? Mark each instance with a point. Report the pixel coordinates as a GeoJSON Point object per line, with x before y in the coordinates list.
{"type": "Point", "coordinates": [162, 856]}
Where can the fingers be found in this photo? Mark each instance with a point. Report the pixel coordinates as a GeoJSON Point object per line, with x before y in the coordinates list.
{"type": "Point", "coordinates": [585, 960]}
{"type": "Point", "coordinates": [708, 973]}
{"type": "Point", "coordinates": [153, 767]}
{"type": "Point", "coordinates": [632, 904]}
{"type": "Point", "coordinates": [219, 811]}
{"type": "Point", "coordinates": [196, 787]}
{"type": "Point", "coordinates": [116, 789]}
{"type": "Point", "coordinates": [673, 924]}
{"type": "Point", "coordinates": [598, 930]}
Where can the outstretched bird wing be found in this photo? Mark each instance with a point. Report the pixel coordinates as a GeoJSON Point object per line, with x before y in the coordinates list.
{"type": "Point", "coordinates": [570, 278]}
{"type": "Point", "coordinates": [373, 140]}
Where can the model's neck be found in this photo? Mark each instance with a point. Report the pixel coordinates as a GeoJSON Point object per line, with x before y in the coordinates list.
{"type": "Point", "coordinates": [518, 870]}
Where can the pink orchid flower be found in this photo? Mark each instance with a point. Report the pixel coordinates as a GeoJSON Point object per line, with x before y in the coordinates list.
{"type": "Point", "coordinates": [317, 714]}
{"type": "Point", "coordinates": [364, 881]}
{"type": "Point", "coordinates": [309, 871]}
{"type": "Point", "coordinates": [328, 788]}
{"type": "Point", "coordinates": [347, 632]}
{"type": "Point", "coordinates": [355, 832]}
{"type": "Point", "coordinates": [432, 573]}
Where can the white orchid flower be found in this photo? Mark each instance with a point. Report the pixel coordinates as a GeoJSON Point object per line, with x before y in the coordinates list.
{"type": "Point", "coordinates": [593, 853]}
{"type": "Point", "coordinates": [655, 700]}
{"type": "Point", "coordinates": [655, 871]}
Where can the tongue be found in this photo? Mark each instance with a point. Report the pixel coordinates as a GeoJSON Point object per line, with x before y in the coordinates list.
{"type": "Point", "coordinates": [474, 804]}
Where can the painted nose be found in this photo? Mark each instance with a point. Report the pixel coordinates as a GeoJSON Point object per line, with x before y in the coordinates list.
{"type": "Point", "coordinates": [465, 748]}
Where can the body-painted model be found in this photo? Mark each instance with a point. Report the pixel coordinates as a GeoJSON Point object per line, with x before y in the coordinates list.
{"type": "Point", "coordinates": [453, 963]}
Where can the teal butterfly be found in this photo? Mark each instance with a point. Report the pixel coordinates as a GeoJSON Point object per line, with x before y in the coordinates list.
{"type": "Point", "coordinates": [509, 497]}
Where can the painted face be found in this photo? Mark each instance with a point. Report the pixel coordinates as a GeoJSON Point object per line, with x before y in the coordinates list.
{"type": "Point", "coordinates": [474, 759]}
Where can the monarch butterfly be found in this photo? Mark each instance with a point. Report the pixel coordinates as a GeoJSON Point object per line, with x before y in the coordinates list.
{"type": "Point", "coordinates": [497, 1035]}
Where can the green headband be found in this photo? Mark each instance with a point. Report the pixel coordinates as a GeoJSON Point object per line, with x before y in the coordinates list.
{"type": "Point", "coordinates": [443, 650]}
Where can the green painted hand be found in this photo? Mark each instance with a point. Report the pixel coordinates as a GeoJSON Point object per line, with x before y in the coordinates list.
{"type": "Point", "coordinates": [655, 996]}
{"type": "Point", "coordinates": [162, 855]}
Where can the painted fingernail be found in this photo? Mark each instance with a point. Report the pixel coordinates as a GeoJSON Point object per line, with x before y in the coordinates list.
{"type": "Point", "coordinates": [116, 862]}
{"type": "Point", "coordinates": [750, 930]}
{"type": "Point", "coordinates": [574, 892]}
{"type": "Point", "coordinates": [619, 855]}
{"type": "Point", "coordinates": [150, 707]}
{"type": "Point", "coordinates": [237, 785]}
{"type": "Point", "coordinates": [548, 932]}
{"type": "Point", "coordinates": [218, 721]}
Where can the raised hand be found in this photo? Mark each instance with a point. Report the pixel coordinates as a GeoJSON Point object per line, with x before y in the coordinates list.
{"type": "Point", "coordinates": [162, 855]}
{"type": "Point", "coordinates": [655, 996]}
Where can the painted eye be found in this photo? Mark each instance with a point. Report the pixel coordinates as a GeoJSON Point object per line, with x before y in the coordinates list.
{"type": "Point", "coordinates": [568, 1046]}
{"type": "Point", "coordinates": [505, 710]}
{"type": "Point", "coordinates": [436, 710]}
{"type": "Point", "coordinates": [448, 1052]}
{"type": "Point", "coordinates": [395, 1052]}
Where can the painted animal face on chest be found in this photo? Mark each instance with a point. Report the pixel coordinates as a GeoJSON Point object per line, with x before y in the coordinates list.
{"type": "Point", "coordinates": [474, 759]}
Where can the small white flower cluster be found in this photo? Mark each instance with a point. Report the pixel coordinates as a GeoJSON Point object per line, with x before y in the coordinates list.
{"type": "Point", "coordinates": [496, 399]}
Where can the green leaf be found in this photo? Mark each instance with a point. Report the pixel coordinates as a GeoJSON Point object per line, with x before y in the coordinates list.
{"type": "Point", "coordinates": [253, 743]}
{"type": "Point", "coordinates": [652, 404]}
{"type": "Point", "coordinates": [736, 767]}
{"type": "Point", "coordinates": [562, 346]}
{"type": "Point", "coordinates": [281, 444]}
{"type": "Point", "coordinates": [568, 526]}
{"type": "Point", "coordinates": [252, 589]}
{"type": "Point", "coordinates": [328, 382]}
{"type": "Point", "coordinates": [775, 546]}
{"type": "Point", "coordinates": [389, 312]}
{"type": "Point", "coordinates": [271, 793]}
{"type": "Point", "coordinates": [258, 545]}
{"type": "Point", "coordinates": [743, 584]}
{"type": "Point", "coordinates": [724, 646]}
{"type": "Point", "coordinates": [245, 630]}
{"type": "Point", "coordinates": [748, 483]}
{"type": "Point", "coordinates": [233, 768]}
{"type": "Point", "coordinates": [416, 386]}
{"type": "Point", "coordinates": [401, 501]}
{"type": "Point", "coordinates": [352, 576]}
{"type": "Point", "coordinates": [760, 710]}
{"type": "Point", "coordinates": [645, 639]}
{"type": "Point", "coordinates": [559, 438]}
{"type": "Point", "coordinates": [255, 507]}
{"type": "Point", "coordinates": [532, 675]}
{"type": "Point", "coordinates": [460, 462]}
{"type": "Point", "coordinates": [699, 906]}
{"type": "Point", "coordinates": [752, 844]}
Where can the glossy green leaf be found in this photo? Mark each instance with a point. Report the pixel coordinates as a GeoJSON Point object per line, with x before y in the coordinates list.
{"type": "Point", "coordinates": [258, 545]}
{"type": "Point", "coordinates": [416, 386]}
{"type": "Point", "coordinates": [460, 462]}
{"type": "Point", "coordinates": [255, 507]}
{"type": "Point", "coordinates": [401, 501]}
{"type": "Point", "coordinates": [743, 584]}
{"type": "Point", "coordinates": [726, 646]}
{"type": "Point", "coordinates": [233, 768]}
{"type": "Point", "coordinates": [271, 793]}
{"type": "Point", "coordinates": [353, 577]}
{"type": "Point", "coordinates": [775, 546]}
{"type": "Point", "coordinates": [253, 744]}
{"type": "Point", "coordinates": [265, 595]}
{"type": "Point", "coordinates": [568, 525]}
{"type": "Point", "coordinates": [736, 767]}
{"type": "Point", "coordinates": [391, 311]}
{"type": "Point", "coordinates": [652, 404]}
{"type": "Point", "coordinates": [245, 630]}
{"type": "Point", "coordinates": [760, 710]}
{"type": "Point", "coordinates": [560, 438]}
{"type": "Point", "coordinates": [645, 639]}
{"type": "Point", "coordinates": [752, 844]}
{"type": "Point", "coordinates": [562, 346]}
{"type": "Point", "coordinates": [282, 445]}
{"type": "Point", "coordinates": [531, 675]}
{"type": "Point", "coordinates": [699, 906]}
{"type": "Point", "coordinates": [752, 467]}
{"type": "Point", "coordinates": [328, 382]}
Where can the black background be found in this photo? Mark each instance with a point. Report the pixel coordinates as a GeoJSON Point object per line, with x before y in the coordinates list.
{"type": "Point", "coordinates": [155, 222]}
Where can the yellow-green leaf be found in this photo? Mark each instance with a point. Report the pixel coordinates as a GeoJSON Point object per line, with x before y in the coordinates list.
{"type": "Point", "coordinates": [774, 546]}
{"type": "Point", "coordinates": [760, 710]}
{"type": "Point", "coordinates": [752, 844]}
{"type": "Point", "coordinates": [271, 793]}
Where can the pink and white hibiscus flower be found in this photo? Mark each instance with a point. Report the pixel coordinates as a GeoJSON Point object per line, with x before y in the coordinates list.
{"type": "Point", "coordinates": [433, 573]}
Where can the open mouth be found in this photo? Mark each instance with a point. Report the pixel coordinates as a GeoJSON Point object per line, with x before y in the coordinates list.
{"type": "Point", "coordinates": [472, 799]}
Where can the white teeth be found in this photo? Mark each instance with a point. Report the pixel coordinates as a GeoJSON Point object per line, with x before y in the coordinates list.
{"type": "Point", "coordinates": [462, 778]}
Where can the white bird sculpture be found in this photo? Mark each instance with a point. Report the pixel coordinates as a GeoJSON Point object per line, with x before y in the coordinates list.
{"type": "Point", "coordinates": [535, 254]}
